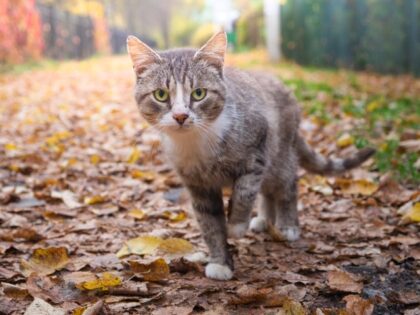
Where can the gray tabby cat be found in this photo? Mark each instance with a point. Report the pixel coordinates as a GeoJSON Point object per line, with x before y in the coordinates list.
{"type": "Point", "coordinates": [225, 127]}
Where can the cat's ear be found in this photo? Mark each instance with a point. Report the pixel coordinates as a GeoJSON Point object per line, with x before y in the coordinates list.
{"type": "Point", "coordinates": [141, 55]}
{"type": "Point", "coordinates": [214, 50]}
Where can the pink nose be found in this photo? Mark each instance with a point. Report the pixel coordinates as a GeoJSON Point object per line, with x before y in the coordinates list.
{"type": "Point", "coordinates": [180, 118]}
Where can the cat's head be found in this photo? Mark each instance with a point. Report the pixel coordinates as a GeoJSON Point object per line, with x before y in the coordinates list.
{"type": "Point", "coordinates": [179, 90]}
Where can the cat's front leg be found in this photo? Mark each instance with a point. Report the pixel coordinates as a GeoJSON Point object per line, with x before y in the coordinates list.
{"type": "Point", "coordinates": [208, 208]}
{"type": "Point", "coordinates": [245, 191]}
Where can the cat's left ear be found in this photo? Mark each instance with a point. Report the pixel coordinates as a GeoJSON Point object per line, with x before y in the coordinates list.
{"type": "Point", "coordinates": [214, 50]}
{"type": "Point", "coordinates": [141, 55]}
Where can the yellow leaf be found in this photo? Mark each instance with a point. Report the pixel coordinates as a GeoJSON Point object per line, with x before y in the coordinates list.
{"type": "Point", "coordinates": [137, 213]}
{"type": "Point", "coordinates": [95, 159]}
{"type": "Point", "coordinates": [45, 261]}
{"type": "Point", "coordinates": [94, 200]}
{"type": "Point", "coordinates": [141, 245]}
{"type": "Point", "coordinates": [412, 215]}
{"type": "Point", "coordinates": [292, 307]}
{"type": "Point", "coordinates": [134, 156]}
{"type": "Point", "coordinates": [146, 176]}
{"type": "Point", "coordinates": [373, 105]}
{"type": "Point", "coordinates": [154, 271]}
{"type": "Point", "coordinates": [79, 310]}
{"type": "Point", "coordinates": [14, 167]}
{"type": "Point", "coordinates": [10, 147]}
{"type": "Point", "coordinates": [70, 162]}
{"type": "Point", "coordinates": [357, 187]}
{"type": "Point", "coordinates": [144, 245]}
{"type": "Point", "coordinates": [176, 246]}
{"type": "Point", "coordinates": [345, 140]}
{"type": "Point", "coordinates": [104, 282]}
{"type": "Point", "coordinates": [175, 216]}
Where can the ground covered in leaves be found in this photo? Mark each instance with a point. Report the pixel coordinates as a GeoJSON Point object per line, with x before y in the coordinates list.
{"type": "Point", "coordinates": [93, 221]}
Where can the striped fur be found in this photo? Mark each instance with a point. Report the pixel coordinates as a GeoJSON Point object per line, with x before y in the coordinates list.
{"type": "Point", "coordinates": [242, 134]}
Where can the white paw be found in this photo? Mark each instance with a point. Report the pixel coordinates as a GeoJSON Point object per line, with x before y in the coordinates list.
{"type": "Point", "coordinates": [258, 224]}
{"type": "Point", "coordinates": [237, 230]}
{"type": "Point", "coordinates": [218, 272]}
{"type": "Point", "coordinates": [290, 233]}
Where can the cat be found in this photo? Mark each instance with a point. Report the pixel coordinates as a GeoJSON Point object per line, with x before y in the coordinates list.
{"type": "Point", "coordinates": [220, 127]}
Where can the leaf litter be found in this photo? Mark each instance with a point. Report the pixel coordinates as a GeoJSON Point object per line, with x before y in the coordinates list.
{"type": "Point", "coordinates": [93, 220]}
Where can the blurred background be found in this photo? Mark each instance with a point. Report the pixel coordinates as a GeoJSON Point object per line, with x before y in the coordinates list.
{"type": "Point", "coordinates": [376, 35]}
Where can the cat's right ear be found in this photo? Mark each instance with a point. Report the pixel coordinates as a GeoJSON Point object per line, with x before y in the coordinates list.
{"type": "Point", "coordinates": [141, 55]}
{"type": "Point", "coordinates": [213, 52]}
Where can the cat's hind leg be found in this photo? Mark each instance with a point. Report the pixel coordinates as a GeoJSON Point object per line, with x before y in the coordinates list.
{"type": "Point", "coordinates": [287, 221]}
{"type": "Point", "coordinates": [266, 214]}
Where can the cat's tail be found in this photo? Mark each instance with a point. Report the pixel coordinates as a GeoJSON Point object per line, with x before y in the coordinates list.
{"type": "Point", "coordinates": [316, 163]}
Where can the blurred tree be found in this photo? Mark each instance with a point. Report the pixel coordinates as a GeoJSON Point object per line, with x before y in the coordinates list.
{"type": "Point", "coordinates": [250, 25]}
{"type": "Point", "coordinates": [380, 35]}
{"type": "Point", "coordinates": [20, 31]}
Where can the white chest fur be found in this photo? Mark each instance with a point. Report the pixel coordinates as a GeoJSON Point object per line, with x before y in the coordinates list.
{"type": "Point", "coordinates": [189, 150]}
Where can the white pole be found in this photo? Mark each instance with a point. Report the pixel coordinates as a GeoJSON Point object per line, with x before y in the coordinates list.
{"type": "Point", "coordinates": [272, 25]}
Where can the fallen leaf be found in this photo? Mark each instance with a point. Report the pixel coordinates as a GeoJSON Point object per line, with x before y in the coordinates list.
{"type": "Point", "coordinates": [145, 176]}
{"type": "Point", "coordinates": [173, 310]}
{"type": "Point", "coordinates": [343, 281]}
{"type": "Point", "coordinates": [355, 305]}
{"type": "Point", "coordinates": [92, 200]}
{"type": "Point", "coordinates": [275, 233]}
{"type": "Point", "coordinates": [175, 246]}
{"type": "Point", "coordinates": [10, 147]}
{"type": "Point", "coordinates": [14, 291]}
{"type": "Point", "coordinates": [154, 271]}
{"type": "Point", "coordinates": [92, 309]}
{"type": "Point", "coordinates": [134, 156]}
{"type": "Point", "coordinates": [27, 234]}
{"type": "Point", "coordinates": [357, 187]}
{"type": "Point", "coordinates": [68, 198]}
{"type": "Point", "coordinates": [176, 216]}
{"type": "Point", "coordinates": [412, 214]}
{"type": "Point", "coordinates": [45, 261]}
{"type": "Point", "coordinates": [246, 294]}
{"type": "Point", "coordinates": [137, 213]}
{"type": "Point", "coordinates": [103, 283]}
{"type": "Point", "coordinates": [345, 140]}
{"type": "Point", "coordinates": [140, 246]}
{"type": "Point", "coordinates": [40, 307]}
{"type": "Point", "coordinates": [53, 289]}
{"type": "Point", "coordinates": [150, 244]}
{"type": "Point", "coordinates": [95, 159]}
{"type": "Point", "coordinates": [292, 307]}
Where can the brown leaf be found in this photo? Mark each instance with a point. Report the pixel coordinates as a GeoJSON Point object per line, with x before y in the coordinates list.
{"type": "Point", "coordinates": [45, 261]}
{"type": "Point", "coordinates": [275, 233]}
{"type": "Point", "coordinates": [247, 294]}
{"type": "Point", "coordinates": [156, 270]}
{"type": "Point", "coordinates": [173, 310]}
{"type": "Point", "coordinates": [355, 305]}
{"type": "Point", "coordinates": [357, 187]}
{"type": "Point", "coordinates": [14, 291]}
{"type": "Point", "coordinates": [53, 289]}
{"type": "Point", "coordinates": [343, 281]}
{"type": "Point", "coordinates": [292, 307]}
{"type": "Point", "coordinates": [40, 307]}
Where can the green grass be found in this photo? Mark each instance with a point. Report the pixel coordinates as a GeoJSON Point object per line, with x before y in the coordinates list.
{"type": "Point", "coordinates": [381, 122]}
{"type": "Point", "coordinates": [28, 66]}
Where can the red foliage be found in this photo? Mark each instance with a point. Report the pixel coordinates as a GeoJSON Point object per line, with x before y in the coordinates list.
{"type": "Point", "coordinates": [101, 35]}
{"type": "Point", "coordinates": [20, 31]}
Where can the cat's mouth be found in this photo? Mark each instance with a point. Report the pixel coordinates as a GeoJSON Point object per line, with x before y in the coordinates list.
{"type": "Point", "coordinates": [179, 128]}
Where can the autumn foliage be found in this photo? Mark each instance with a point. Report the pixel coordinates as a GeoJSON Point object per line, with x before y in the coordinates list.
{"type": "Point", "coordinates": [20, 31]}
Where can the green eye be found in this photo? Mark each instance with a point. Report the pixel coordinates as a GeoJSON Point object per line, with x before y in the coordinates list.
{"type": "Point", "coordinates": [198, 94]}
{"type": "Point", "coordinates": [161, 95]}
